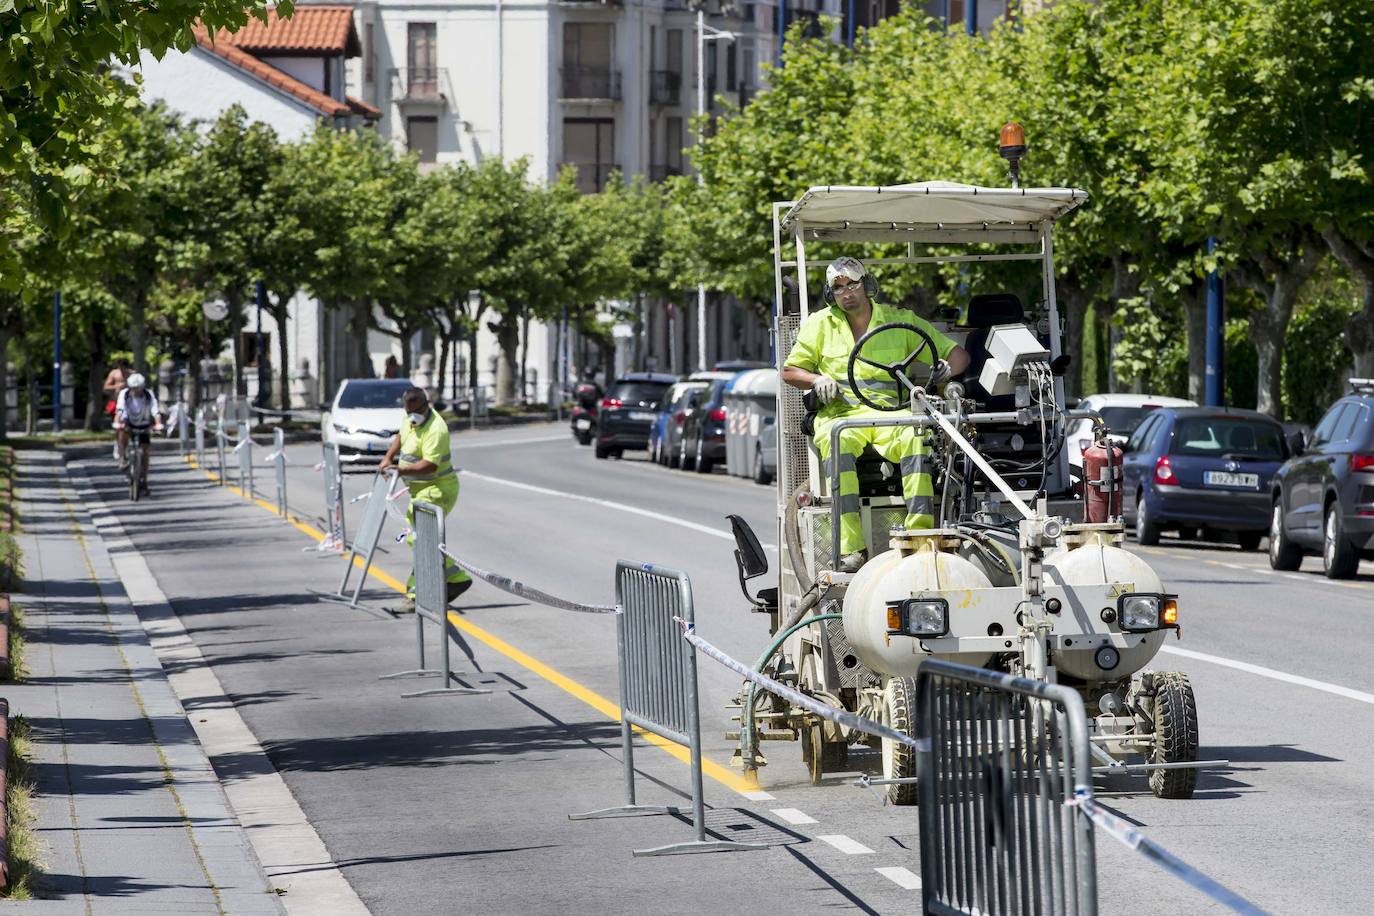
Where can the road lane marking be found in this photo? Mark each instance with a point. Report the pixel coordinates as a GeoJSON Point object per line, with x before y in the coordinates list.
{"type": "Point", "coordinates": [794, 817]}
{"type": "Point", "coordinates": [749, 788]}
{"type": "Point", "coordinates": [461, 445]}
{"type": "Point", "coordinates": [845, 844]}
{"type": "Point", "coordinates": [903, 877]}
{"type": "Point", "coordinates": [1323, 686]}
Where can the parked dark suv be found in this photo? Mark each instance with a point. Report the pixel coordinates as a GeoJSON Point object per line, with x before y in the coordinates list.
{"type": "Point", "coordinates": [703, 429]}
{"type": "Point", "coordinates": [1323, 497]}
{"type": "Point", "coordinates": [628, 410]}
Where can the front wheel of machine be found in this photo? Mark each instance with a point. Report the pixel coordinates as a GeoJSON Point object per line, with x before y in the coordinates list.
{"type": "Point", "coordinates": [1146, 531]}
{"type": "Point", "coordinates": [899, 760]}
{"type": "Point", "coordinates": [813, 755]}
{"type": "Point", "coordinates": [1176, 739]}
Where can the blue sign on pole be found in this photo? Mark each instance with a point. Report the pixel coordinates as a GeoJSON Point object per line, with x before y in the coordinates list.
{"type": "Point", "coordinates": [57, 362]}
{"type": "Point", "coordinates": [1214, 388]}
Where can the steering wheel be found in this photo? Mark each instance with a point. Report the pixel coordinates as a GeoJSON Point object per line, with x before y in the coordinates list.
{"type": "Point", "coordinates": [893, 369]}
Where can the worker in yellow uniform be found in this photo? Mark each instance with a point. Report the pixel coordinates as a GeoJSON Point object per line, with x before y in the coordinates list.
{"type": "Point", "coordinates": [422, 455]}
{"type": "Point", "coordinates": [819, 362]}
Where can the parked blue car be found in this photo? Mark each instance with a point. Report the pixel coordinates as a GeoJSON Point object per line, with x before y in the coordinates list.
{"type": "Point", "coordinates": [1205, 469]}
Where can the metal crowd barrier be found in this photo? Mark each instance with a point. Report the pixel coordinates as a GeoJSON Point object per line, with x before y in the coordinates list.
{"type": "Point", "coordinates": [279, 467]}
{"type": "Point", "coordinates": [333, 502]}
{"type": "Point", "coordinates": [1004, 761]}
{"type": "Point", "coordinates": [221, 439]}
{"type": "Point", "coordinates": [200, 437]}
{"type": "Point", "coordinates": [364, 544]}
{"type": "Point", "coordinates": [245, 452]}
{"type": "Point", "coordinates": [431, 602]}
{"type": "Point", "coordinates": [658, 690]}
{"type": "Point", "coordinates": [183, 430]}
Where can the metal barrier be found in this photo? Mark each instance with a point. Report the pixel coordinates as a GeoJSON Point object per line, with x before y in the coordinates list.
{"type": "Point", "coordinates": [333, 502]}
{"type": "Point", "coordinates": [221, 440]}
{"type": "Point", "coordinates": [431, 602]}
{"type": "Point", "coordinates": [183, 428]}
{"type": "Point", "coordinates": [200, 437]}
{"type": "Point", "coordinates": [1004, 761]}
{"type": "Point", "coordinates": [658, 690]}
{"type": "Point", "coordinates": [245, 452]}
{"type": "Point", "coordinates": [279, 467]}
{"type": "Point", "coordinates": [364, 544]}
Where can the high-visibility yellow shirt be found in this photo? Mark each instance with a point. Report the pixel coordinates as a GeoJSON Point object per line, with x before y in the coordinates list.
{"type": "Point", "coordinates": [825, 341]}
{"type": "Point", "coordinates": [427, 442]}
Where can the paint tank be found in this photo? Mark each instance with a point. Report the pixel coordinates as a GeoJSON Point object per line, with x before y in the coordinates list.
{"type": "Point", "coordinates": [894, 575]}
{"type": "Point", "coordinates": [1103, 564]}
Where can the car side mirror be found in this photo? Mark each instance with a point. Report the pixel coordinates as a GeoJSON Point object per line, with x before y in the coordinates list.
{"type": "Point", "coordinates": [1296, 442]}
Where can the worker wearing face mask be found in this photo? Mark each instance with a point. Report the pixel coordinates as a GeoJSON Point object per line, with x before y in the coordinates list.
{"type": "Point", "coordinates": [422, 455]}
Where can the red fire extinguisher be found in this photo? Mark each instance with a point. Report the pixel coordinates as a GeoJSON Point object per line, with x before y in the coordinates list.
{"type": "Point", "coordinates": [1101, 483]}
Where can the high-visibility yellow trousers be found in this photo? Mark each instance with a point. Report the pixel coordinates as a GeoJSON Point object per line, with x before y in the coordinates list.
{"type": "Point", "coordinates": [444, 494]}
{"type": "Point", "coordinates": [901, 445]}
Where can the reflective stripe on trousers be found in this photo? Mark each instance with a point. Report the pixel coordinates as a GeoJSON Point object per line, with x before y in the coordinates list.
{"type": "Point", "coordinates": [444, 494]}
{"type": "Point", "coordinates": [898, 444]}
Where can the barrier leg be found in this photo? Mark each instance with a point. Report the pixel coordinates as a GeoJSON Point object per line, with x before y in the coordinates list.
{"type": "Point", "coordinates": [446, 669]}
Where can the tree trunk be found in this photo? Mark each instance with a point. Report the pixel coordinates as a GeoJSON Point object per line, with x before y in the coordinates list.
{"type": "Point", "coordinates": [1125, 285]}
{"type": "Point", "coordinates": [234, 298]}
{"type": "Point", "coordinates": [95, 375]}
{"type": "Point", "coordinates": [279, 313]}
{"type": "Point", "coordinates": [1359, 329]}
{"type": "Point", "coordinates": [1278, 280]}
{"type": "Point", "coordinates": [4, 371]}
{"type": "Point", "coordinates": [405, 333]}
{"type": "Point", "coordinates": [138, 329]}
{"type": "Point", "coordinates": [524, 357]}
{"type": "Point", "coordinates": [1195, 309]}
{"type": "Point", "coordinates": [507, 332]}
{"type": "Point", "coordinates": [1075, 316]}
{"type": "Point", "coordinates": [195, 352]}
{"type": "Point", "coordinates": [441, 371]}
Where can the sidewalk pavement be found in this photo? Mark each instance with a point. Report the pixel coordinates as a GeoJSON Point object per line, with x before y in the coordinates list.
{"type": "Point", "coordinates": [132, 815]}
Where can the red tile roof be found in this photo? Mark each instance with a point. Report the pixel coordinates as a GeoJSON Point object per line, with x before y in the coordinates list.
{"type": "Point", "coordinates": [268, 73]}
{"type": "Point", "coordinates": [310, 30]}
{"type": "Point", "coordinates": [362, 108]}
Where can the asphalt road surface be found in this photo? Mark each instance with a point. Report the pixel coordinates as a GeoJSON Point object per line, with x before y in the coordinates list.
{"type": "Point", "coordinates": [459, 803]}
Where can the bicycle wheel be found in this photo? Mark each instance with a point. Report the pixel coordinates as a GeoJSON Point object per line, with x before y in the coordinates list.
{"type": "Point", "coordinates": [135, 471]}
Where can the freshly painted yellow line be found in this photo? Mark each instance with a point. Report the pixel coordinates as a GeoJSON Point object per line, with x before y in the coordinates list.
{"type": "Point", "coordinates": [720, 774]}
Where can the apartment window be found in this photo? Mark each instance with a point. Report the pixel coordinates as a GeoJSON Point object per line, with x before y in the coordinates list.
{"type": "Point", "coordinates": [674, 50]}
{"type": "Point", "coordinates": [731, 83]}
{"type": "Point", "coordinates": [672, 142]}
{"type": "Point", "coordinates": [422, 137]}
{"type": "Point", "coordinates": [421, 58]}
{"type": "Point", "coordinates": [367, 54]}
{"type": "Point", "coordinates": [588, 45]}
{"type": "Point", "coordinates": [589, 144]}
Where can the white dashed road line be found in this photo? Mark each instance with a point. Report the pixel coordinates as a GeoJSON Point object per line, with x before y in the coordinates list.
{"type": "Point", "coordinates": [845, 844]}
{"type": "Point", "coordinates": [1272, 674]}
{"type": "Point", "coordinates": [794, 817]}
{"type": "Point", "coordinates": [903, 877]}
{"type": "Point", "coordinates": [757, 796]}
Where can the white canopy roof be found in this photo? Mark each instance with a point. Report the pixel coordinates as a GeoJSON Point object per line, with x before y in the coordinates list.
{"type": "Point", "coordinates": [892, 213]}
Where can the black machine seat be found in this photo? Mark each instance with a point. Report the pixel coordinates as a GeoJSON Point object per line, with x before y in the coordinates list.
{"type": "Point", "coordinates": [984, 312]}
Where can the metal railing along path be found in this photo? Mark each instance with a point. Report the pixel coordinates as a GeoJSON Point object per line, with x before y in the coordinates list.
{"type": "Point", "coordinates": [183, 428]}
{"type": "Point", "coordinates": [364, 545]}
{"type": "Point", "coordinates": [334, 539]}
{"type": "Point", "coordinates": [278, 460]}
{"type": "Point", "coordinates": [200, 437]}
{"type": "Point", "coordinates": [431, 602]}
{"type": "Point", "coordinates": [658, 690]}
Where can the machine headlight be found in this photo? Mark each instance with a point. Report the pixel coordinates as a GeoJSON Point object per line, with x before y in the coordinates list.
{"type": "Point", "coordinates": [1140, 613]}
{"type": "Point", "coordinates": [921, 617]}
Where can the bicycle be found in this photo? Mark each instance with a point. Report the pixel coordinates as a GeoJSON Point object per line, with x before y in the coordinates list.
{"type": "Point", "coordinates": [137, 459]}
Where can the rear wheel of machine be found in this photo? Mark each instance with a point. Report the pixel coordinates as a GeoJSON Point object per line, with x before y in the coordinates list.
{"type": "Point", "coordinates": [1146, 531]}
{"type": "Point", "coordinates": [1176, 740]}
{"type": "Point", "coordinates": [1283, 553]}
{"type": "Point", "coordinates": [899, 760]}
{"type": "Point", "coordinates": [1249, 540]}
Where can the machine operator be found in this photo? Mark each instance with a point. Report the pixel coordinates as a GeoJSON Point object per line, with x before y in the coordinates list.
{"type": "Point", "coordinates": [819, 362]}
{"type": "Point", "coordinates": [421, 454]}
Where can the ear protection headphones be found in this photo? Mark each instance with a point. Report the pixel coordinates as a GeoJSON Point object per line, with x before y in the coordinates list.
{"type": "Point", "coordinates": [870, 290]}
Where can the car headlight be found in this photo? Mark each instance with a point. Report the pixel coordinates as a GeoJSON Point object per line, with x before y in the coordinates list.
{"type": "Point", "coordinates": [340, 428]}
{"type": "Point", "coordinates": [921, 617]}
{"type": "Point", "coordinates": [1139, 613]}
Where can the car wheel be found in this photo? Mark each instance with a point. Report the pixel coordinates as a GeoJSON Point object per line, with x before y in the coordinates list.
{"type": "Point", "coordinates": [686, 461]}
{"type": "Point", "coordinates": [1283, 553]}
{"type": "Point", "coordinates": [1340, 560]}
{"type": "Point", "coordinates": [584, 437]}
{"type": "Point", "coordinates": [1146, 530]}
{"type": "Point", "coordinates": [1249, 540]}
{"type": "Point", "coordinates": [1187, 533]}
{"type": "Point", "coordinates": [704, 464]}
{"type": "Point", "coordinates": [761, 476]}
{"type": "Point", "coordinates": [602, 451]}
{"type": "Point", "coordinates": [673, 459]}
{"type": "Point", "coordinates": [618, 453]}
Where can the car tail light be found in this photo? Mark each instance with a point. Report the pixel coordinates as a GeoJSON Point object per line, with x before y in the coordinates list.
{"type": "Point", "coordinates": [612, 402]}
{"type": "Point", "coordinates": [1362, 462]}
{"type": "Point", "coordinates": [1164, 472]}
{"type": "Point", "coordinates": [718, 414]}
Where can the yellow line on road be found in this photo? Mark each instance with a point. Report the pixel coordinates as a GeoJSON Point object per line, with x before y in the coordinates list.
{"type": "Point", "coordinates": [720, 774]}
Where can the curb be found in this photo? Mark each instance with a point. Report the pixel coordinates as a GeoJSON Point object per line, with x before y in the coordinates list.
{"type": "Point", "coordinates": [4, 794]}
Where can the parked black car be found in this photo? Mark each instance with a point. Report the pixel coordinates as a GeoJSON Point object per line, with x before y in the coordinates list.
{"type": "Point", "coordinates": [1202, 468]}
{"type": "Point", "coordinates": [1323, 497]}
{"type": "Point", "coordinates": [628, 411]}
{"type": "Point", "coordinates": [703, 429]}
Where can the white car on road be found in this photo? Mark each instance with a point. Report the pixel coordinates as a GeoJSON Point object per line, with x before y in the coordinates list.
{"type": "Point", "coordinates": [1122, 413]}
{"type": "Point", "coordinates": [364, 416]}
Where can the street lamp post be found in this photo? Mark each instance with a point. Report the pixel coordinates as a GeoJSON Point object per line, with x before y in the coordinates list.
{"type": "Point", "coordinates": [705, 33]}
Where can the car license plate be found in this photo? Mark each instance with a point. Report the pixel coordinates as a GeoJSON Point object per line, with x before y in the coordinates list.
{"type": "Point", "coordinates": [584, 424]}
{"type": "Point", "coordinates": [1227, 479]}
{"type": "Point", "coordinates": [640, 415]}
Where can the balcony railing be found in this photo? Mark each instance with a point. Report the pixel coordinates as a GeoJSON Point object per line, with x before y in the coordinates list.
{"type": "Point", "coordinates": [599, 83]}
{"type": "Point", "coordinates": [421, 84]}
{"type": "Point", "coordinates": [663, 172]}
{"type": "Point", "coordinates": [665, 87]}
{"type": "Point", "coordinates": [592, 176]}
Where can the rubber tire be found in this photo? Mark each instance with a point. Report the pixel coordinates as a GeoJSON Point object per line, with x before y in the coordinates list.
{"type": "Point", "coordinates": [584, 437]}
{"type": "Point", "coordinates": [134, 491]}
{"type": "Point", "coordinates": [602, 451]}
{"type": "Point", "coordinates": [674, 460]}
{"type": "Point", "coordinates": [1146, 531]}
{"type": "Point", "coordinates": [899, 760]}
{"type": "Point", "coordinates": [1340, 560]}
{"type": "Point", "coordinates": [1283, 553]}
{"type": "Point", "coordinates": [1176, 735]}
{"type": "Point", "coordinates": [1188, 532]}
{"type": "Point", "coordinates": [760, 475]}
{"type": "Point", "coordinates": [617, 453]}
{"type": "Point", "coordinates": [1249, 540]}
{"type": "Point", "coordinates": [686, 461]}
{"type": "Point", "coordinates": [704, 465]}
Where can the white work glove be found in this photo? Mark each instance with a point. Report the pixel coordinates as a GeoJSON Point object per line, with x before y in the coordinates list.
{"type": "Point", "coordinates": [940, 374]}
{"type": "Point", "coordinates": [826, 389]}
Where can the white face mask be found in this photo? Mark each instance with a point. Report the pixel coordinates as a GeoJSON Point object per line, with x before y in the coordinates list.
{"type": "Point", "coordinates": [416, 418]}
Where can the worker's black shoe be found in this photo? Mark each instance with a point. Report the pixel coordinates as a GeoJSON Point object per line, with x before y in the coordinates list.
{"type": "Point", "coordinates": [457, 588]}
{"type": "Point", "coordinates": [405, 607]}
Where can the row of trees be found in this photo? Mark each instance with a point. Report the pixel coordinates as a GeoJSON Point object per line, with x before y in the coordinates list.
{"type": "Point", "coordinates": [1246, 122]}
{"type": "Point", "coordinates": [177, 214]}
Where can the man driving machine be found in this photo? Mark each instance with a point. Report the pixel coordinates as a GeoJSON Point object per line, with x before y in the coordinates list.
{"type": "Point", "coordinates": [820, 361]}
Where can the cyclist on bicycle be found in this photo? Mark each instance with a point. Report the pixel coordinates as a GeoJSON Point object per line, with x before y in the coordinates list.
{"type": "Point", "coordinates": [136, 414]}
